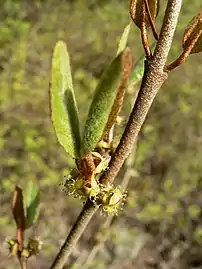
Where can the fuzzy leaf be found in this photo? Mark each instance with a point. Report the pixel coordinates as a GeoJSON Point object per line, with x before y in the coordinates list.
{"type": "Point", "coordinates": [124, 39]}
{"type": "Point", "coordinates": [18, 208]}
{"type": "Point", "coordinates": [31, 201]}
{"type": "Point", "coordinates": [62, 101]}
{"type": "Point", "coordinates": [116, 108]}
{"type": "Point", "coordinates": [103, 100]}
{"type": "Point", "coordinates": [136, 11]}
{"type": "Point", "coordinates": [126, 70]}
{"type": "Point", "coordinates": [194, 29]}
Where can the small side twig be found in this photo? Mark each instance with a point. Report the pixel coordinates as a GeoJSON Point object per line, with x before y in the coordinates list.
{"type": "Point", "coordinates": [23, 262]}
{"type": "Point", "coordinates": [154, 77]}
{"type": "Point", "coordinates": [110, 219]}
{"type": "Point", "coordinates": [167, 32]}
{"type": "Point", "coordinates": [144, 36]}
{"type": "Point", "coordinates": [155, 34]}
{"type": "Point", "coordinates": [182, 58]}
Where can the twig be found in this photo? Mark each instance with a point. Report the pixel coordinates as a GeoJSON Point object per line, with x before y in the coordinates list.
{"type": "Point", "coordinates": [181, 59]}
{"type": "Point", "coordinates": [22, 261]}
{"type": "Point", "coordinates": [20, 238]}
{"type": "Point", "coordinates": [150, 20]}
{"type": "Point", "coordinates": [110, 219]}
{"type": "Point", "coordinates": [82, 221]}
{"type": "Point", "coordinates": [144, 36]}
{"type": "Point", "coordinates": [108, 222]}
{"type": "Point", "coordinates": [81, 258]}
{"type": "Point", "coordinates": [167, 33]}
{"type": "Point", "coordinates": [154, 77]}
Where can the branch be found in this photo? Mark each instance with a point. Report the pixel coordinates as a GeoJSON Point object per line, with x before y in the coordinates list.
{"type": "Point", "coordinates": [23, 262]}
{"type": "Point", "coordinates": [182, 58]}
{"type": "Point", "coordinates": [154, 77]}
{"type": "Point", "coordinates": [167, 33]}
{"type": "Point", "coordinates": [82, 221]}
{"type": "Point", "coordinates": [144, 36]}
{"type": "Point", "coordinates": [110, 219]}
{"type": "Point", "coordinates": [151, 20]}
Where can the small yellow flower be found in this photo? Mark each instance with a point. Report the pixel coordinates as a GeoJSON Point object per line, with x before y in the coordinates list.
{"type": "Point", "coordinates": [112, 199]}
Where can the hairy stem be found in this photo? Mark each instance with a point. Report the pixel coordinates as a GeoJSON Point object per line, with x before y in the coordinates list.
{"type": "Point", "coordinates": [182, 58]}
{"type": "Point", "coordinates": [144, 36]}
{"type": "Point", "coordinates": [151, 83]}
{"type": "Point", "coordinates": [151, 20]}
{"type": "Point", "coordinates": [110, 219]}
{"type": "Point", "coordinates": [154, 77]}
{"type": "Point", "coordinates": [166, 34]}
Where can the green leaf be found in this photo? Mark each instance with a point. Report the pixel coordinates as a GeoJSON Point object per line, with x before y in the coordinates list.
{"type": "Point", "coordinates": [124, 39]}
{"type": "Point", "coordinates": [31, 201]}
{"type": "Point", "coordinates": [136, 11]}
{"type": "Point", "coordinates": [62, 101]}
{"type": "Point", "coordinates": [126, 70]}
{"type": "Point", "coordinates": [194, 29]}
{"type": "Point", "coordinates": [118, 102]}
{"type": "Point", "coordinates": [18, 208]}
{"type": "Point", "coordinates": [138, 70]}
{"type": "Point", "coordinates": [100, 109]}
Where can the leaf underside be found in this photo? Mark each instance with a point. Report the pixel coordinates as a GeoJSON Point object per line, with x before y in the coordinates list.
{"type": "Point", "coordinates": [124, 39]}
{"type": "Point", "coordinates": [136, 11]}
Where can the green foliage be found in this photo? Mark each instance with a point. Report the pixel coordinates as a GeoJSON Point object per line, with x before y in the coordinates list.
{"type": "Point", "coordinates": [63, 106]}
{"type": "Point", "coordinates": [101, 105]}
{"type": "Point", "coordinates": [62, 101]}
{"type": "Point", "coordinates": [124, 39]}
{"type": "Point", "coordinates": [168, 159]}
{"type": "Point", "coordinates": [31, 202]}
{"type": "Point", "coordinates": [138, 70]}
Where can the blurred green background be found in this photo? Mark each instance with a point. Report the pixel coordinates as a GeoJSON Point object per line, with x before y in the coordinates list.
{"type": "Point", "coordinates": [161, 224]}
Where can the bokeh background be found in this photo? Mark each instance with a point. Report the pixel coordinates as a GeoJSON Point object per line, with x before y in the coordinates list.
{"type": "Point", "coordinates": [161, 224]}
